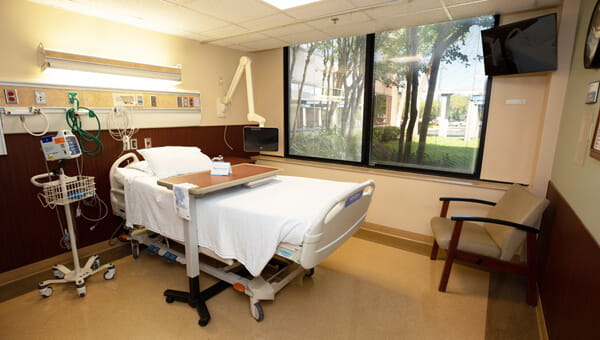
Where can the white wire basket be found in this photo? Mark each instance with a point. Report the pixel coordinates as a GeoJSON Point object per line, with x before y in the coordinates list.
{"type": "Point", "coordinates": [77, 189]}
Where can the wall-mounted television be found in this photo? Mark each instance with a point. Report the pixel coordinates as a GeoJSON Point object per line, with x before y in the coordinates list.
{"type": "Point", "coordinates": [258, 139]}
{"type": "Point", "coordinates": [521, 47]}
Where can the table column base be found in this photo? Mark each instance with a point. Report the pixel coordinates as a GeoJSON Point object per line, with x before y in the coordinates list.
{"type": "Point", "coordinates": [196, 298]}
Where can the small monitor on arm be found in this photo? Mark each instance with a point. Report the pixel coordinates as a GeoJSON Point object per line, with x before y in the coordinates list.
{"type": "Point", "coordinates": [257, 139]}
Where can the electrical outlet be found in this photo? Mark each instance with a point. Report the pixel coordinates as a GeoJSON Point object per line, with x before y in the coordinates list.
{"type": "Point", "coordinates": [40, 97]}
{"type": "Point", "coordinates": [133, 143]}
{"type": "Point", "coordinates": [147, 142]}
{"type": "Point", "coordinates": [11, 96]}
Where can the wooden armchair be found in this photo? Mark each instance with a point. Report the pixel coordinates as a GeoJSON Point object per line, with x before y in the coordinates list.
{"type": "Point", "coordinates": [494, 243]}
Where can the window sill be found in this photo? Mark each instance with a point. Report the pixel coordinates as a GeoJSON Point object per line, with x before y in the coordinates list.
{"type": "Point", "coordinates": [384, 172]}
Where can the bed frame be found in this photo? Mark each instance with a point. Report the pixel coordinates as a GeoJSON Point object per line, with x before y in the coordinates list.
{"type": "Point", "coordinates": [339, 222]}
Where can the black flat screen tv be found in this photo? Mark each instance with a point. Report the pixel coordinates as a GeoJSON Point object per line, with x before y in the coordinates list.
{"type": "Point", "coordinates": [521, 47]}
{"type": "Point", "coordinates": [258, 139]}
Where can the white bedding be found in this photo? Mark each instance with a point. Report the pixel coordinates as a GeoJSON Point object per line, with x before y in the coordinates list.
{"type": "Point", "coordinates": [238, 223]}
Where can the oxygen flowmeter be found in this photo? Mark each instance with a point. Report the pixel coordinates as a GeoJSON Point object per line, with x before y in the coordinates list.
{"type": "Point", "coordinates": [62, 146]}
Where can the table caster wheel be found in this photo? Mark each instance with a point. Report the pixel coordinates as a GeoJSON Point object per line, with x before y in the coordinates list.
{"type": "Point", "coordinates": [110, 273]}
{"type": "Point", "coordinates": [169, 299]}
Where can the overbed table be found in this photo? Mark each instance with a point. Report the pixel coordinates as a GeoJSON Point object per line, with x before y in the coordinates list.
{"type": "Point", "coordinates": [206, 184]}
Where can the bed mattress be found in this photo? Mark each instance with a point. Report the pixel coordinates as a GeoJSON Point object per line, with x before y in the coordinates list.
{"type": "Point", "coordinates": [245, 224]}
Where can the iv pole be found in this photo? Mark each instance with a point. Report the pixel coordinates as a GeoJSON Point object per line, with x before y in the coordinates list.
{"type": "Point", "coordinates": [222, 102]}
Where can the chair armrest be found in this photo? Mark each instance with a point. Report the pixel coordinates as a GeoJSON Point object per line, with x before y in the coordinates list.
{"type": "Point", "coordinates": [462, 199]}
{"type": "Point", "coordinates": [496, 221]}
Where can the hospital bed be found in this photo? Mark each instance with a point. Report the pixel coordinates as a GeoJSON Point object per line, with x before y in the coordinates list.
{"type": "Point", "coordinates": [275, 232]}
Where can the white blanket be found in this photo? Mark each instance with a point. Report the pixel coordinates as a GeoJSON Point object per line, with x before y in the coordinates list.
{"type": "Point", "coordinates": [237, 223]}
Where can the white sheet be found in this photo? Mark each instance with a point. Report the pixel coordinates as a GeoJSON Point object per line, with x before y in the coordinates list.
{"type": "Point", "coordinates": [239, 223]}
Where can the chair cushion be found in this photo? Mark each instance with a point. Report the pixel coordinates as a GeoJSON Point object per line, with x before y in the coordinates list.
{"type": "Point", "coordinates": [517, 205]}
{"type": "Point", "coordinates": [473, 237]}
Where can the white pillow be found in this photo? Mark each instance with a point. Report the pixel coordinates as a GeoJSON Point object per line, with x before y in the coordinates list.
{"type": "Point", "coordinates": [142, 166]}
{"type": "Point", "coordinates": [169, 161]}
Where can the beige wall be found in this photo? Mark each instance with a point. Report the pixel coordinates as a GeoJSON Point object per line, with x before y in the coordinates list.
{"type": "Point", "coordinates": [519, 146]}
{"type": "Point", "coordinates": [402, 201]}
{"type": "Point", "coordinates": [579, 180]}
{"type": "Point", "coordinates": [24, 25]}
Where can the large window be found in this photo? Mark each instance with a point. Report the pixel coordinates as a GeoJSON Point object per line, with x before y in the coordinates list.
{"type": "Point", "coordinates": [415, 98]}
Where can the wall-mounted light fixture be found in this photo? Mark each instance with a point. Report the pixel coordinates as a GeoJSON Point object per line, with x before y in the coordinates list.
{"type": "Point", "coordinates": [80, 62]}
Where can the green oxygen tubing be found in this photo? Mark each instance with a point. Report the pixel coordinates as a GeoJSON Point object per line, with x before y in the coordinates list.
{"type": "Point", "coordinates": [74, 123]}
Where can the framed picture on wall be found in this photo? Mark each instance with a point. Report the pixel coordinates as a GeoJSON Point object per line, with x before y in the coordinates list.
{"type": "Point", "coordinates": [591, 54]}
{"type": "Point", "coordinates": [595, 148]}
{"type": "Point", "coordinates": [592, 94]}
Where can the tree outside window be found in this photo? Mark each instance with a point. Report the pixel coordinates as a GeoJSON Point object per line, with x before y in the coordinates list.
{"type": "Point", "coordinates": [428, 98]}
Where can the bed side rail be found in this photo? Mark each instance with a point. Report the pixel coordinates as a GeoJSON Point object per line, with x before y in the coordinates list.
{"type": "Point", "coordinates": [117, 194]}
{"type": "Point", "coordinates": [338, 223]}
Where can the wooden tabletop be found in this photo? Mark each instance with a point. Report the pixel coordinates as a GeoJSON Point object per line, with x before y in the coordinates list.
{"type": "Point", "coordinates": [205, 183]}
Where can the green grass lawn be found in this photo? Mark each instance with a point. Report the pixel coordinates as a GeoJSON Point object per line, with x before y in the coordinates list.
{"type": "Point", "coordinates": [444, 152]}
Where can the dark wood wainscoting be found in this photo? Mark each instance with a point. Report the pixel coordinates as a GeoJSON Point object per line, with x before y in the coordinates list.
{"type": "Point", "coordinates": [569, 276]}
{"type": "Point", "coordinates": [30, 233]}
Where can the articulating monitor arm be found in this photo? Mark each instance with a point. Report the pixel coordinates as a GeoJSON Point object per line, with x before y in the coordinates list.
{"type": "Point", "coordinates": [244, 65]}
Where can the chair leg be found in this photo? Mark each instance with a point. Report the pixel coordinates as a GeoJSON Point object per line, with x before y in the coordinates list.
{"type": "Point", "coordinates": [434, 250]}
{"type": "Point", "coordinates": [451, 255]}
{"type": "Point", "coordinates": [446, 273]}
{"type": "Point", "coordinates": [531, 274]}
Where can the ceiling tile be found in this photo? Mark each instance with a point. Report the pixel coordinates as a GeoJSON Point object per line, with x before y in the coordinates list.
{"type": "Point", "coordinates": [342, 20]}
{"type": "Point", "coordinates": [268, 22]}
{"type": "Point", "coordinates": [225, 31]}
{"type": "Point", "coordinates": [318, 9]}
{"type": "Point", "coordinates": [301, 38]}
{"type": "Point", "coordinates": [287, 30]}
{"type": "Point", "coordinates": [403, 9]}
{"type": "Point", "coordinates": [233, 10]}
{"type": "Point", "coordinates": [423, 18]}
{"type": "Point", "coordinates": [244, 38]}
{"type": "Point", "coordinates": [265, 44]}
{"type": "Point", "coordinates": [363, 3]}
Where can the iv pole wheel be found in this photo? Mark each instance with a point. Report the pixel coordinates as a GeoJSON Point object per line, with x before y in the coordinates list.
{"type": "Point", "coordinates": [45, 291]}
{"type": "Point", "coordinates": [96, 263]}
{"type": "Point", "coordinates": [80, 289]}
{"type": "Point", "coordinates": [57, 273]}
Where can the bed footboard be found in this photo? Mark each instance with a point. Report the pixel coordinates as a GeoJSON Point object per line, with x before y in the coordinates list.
{"type": "Point", "coordinates": [117, 193]}
{"type": "Point", "coordinates": [338, 223]}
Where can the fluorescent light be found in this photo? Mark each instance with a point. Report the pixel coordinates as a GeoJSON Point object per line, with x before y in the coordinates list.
{"type": "Point", "coordinates": [80, 62]}
{"type": "Point", "coordinates": [58, 76]}
{"type": "Point", "coordinates": [285, 4]}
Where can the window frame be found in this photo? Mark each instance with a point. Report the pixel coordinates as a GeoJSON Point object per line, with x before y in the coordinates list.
{"type": "Point", "coordinates": [368, 124]}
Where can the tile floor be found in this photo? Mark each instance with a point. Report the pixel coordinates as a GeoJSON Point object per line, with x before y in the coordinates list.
{"type": "Point", "coordinates": [365, 290]}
